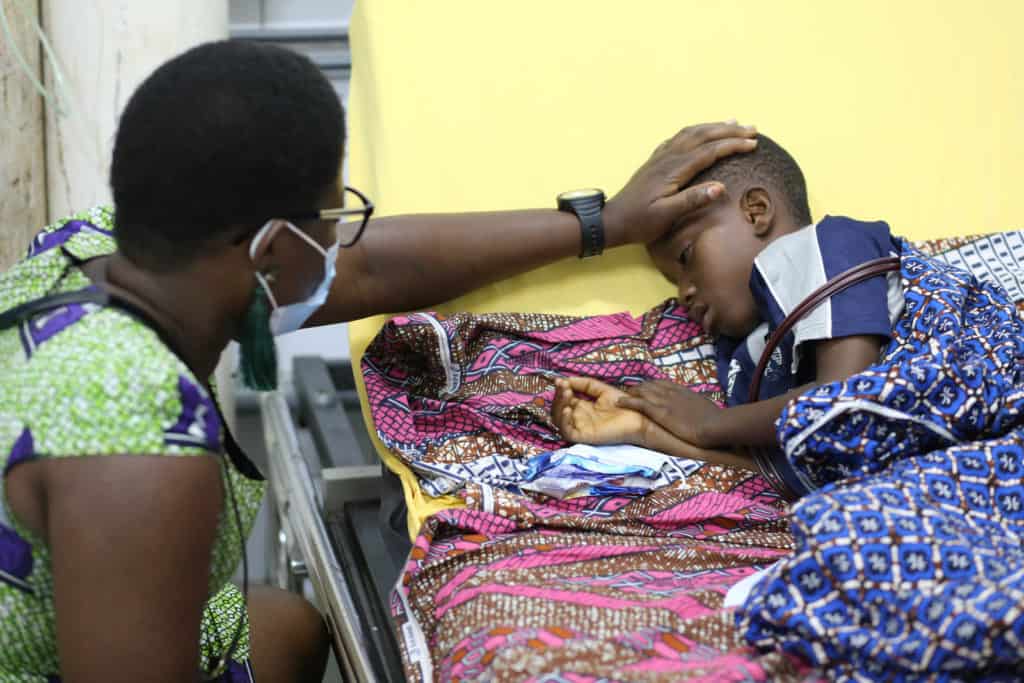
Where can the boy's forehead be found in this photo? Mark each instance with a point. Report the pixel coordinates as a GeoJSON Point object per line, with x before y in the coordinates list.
{"type": "Point", "coordinates": [665, 251]}
{"type": "Point", "coordinates": [687, 228]}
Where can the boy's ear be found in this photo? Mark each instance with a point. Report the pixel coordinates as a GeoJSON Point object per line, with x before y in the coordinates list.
{"type": "Point", "coordinates": [759, 210]}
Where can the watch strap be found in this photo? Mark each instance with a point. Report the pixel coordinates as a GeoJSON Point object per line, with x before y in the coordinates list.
{"type": "Point", "coordinates": [588, 210]}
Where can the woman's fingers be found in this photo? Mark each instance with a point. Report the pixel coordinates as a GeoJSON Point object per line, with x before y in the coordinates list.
{"type": "Point", "coordinates": [650, 203]}
{"type": "Point", "coordinates": [694, 136]}
{"type": "Point", "coordinates": [681, 169]}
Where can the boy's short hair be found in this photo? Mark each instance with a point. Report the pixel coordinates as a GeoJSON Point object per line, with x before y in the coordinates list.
{"type": "Point", "coordinates": [770, 165]}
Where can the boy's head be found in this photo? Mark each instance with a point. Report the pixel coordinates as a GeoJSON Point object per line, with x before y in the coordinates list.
{"type": "Point", "coordinates": [710, 254]}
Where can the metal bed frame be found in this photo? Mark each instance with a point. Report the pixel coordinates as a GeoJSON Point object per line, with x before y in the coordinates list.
{"type": "Point", "coordinates": [331, 495]}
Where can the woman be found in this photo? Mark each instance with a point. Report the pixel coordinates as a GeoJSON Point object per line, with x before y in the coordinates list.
{"type": "Point", "coordinates": [124, 529]}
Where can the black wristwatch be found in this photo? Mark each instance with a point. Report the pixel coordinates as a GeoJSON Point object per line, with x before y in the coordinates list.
{"type": "Point", "coordinates": [587, 205]}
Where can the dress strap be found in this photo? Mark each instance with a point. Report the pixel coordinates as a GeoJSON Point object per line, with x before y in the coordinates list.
{"type": "Point", "coordinates": [101, 296]}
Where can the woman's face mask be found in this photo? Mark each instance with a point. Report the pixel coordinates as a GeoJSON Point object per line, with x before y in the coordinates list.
{"type": "Point", "coordinates": [258, 361]}
{"type": "Point", "coordinates": [290, 317]}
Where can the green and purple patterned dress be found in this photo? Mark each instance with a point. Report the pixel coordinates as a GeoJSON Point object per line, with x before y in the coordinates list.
{"type": "Point", "coordinates": [87, 379]}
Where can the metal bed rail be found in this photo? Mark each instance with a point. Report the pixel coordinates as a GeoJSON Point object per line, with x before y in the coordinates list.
{"type": "Point", "coordinates": [328, 490]}
{"type": "Point", "coordinates": [306, 536]}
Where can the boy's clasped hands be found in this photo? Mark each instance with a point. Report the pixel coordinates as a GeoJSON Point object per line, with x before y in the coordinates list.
{"type": "Point", "coordinates": [658, 415]}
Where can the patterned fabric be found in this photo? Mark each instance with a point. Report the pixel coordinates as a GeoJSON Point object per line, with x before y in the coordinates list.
{"type": "Point", "coordinates": [466, 398]}
{"type": "Point", "coordinates": [519, 586]}
{"type": "Point", "coordinates": [611, 589]}
{"type": "Point", "coordinates": [909, 563]}
{"type": "Point", "coordinates": [86, 380]}
{"type": "Point", "coordinates": [523, 587]}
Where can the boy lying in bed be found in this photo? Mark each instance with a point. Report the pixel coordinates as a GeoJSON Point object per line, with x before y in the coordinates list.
{"type": "Point", "coordinates": [741, 266]}
{"type": "Point", "coordinates": [908, 461]}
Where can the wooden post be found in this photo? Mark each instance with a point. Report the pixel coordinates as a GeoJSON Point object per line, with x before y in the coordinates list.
{"type": "Point", "coordinates": [22, 169]}
{"type": "Point", "coordinates": [104, 49]}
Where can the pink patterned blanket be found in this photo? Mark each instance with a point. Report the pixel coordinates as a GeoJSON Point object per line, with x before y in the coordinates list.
{"type": "Point", "coordinates": [465, 398]}
{"type": "Point", "coordinates": [609, 589]}
{"type": "Point", "coordinates": [523, 587]}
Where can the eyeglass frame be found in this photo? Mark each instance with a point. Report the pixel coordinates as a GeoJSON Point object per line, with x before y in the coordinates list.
{"type": "Point", "coordinates": [337, 214]}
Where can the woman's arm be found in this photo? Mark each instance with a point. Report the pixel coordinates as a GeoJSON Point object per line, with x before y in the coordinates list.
{"type": "Point", "coordinates": [409, 262]}
{"type": "Point", "coordinates": [130, 540]}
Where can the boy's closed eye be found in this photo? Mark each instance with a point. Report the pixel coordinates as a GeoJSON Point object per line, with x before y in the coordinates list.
{"type": "Point", "coordinates": [685, 254]}
{"type": "Point", "coordinates": [665, 257]}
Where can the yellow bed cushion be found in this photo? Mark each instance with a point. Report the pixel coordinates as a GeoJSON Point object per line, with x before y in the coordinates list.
{"type": "Point", "coordinates": [902, 111]}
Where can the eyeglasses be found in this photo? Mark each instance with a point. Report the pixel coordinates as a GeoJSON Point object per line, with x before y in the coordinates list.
{"type": "Point", "coordinates": [349, 223]}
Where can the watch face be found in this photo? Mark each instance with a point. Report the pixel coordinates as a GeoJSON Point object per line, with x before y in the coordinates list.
{"type": "Point", "coordinates": [578, 194]}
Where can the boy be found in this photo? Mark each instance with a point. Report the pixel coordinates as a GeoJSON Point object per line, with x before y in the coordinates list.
{"type": "Point", "coordinates": [907, 561]}
{"type": "Point", "coordinates": [741, 265]}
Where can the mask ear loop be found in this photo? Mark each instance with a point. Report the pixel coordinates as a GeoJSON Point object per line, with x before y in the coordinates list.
{"type": "Point", "coordinates": [269, 224]}
{"type": "Point", "coordinates": [309, 240]}
{"type": "Point", "coordinates": [264, 280]}
{"type": "Point", "coordinates": [260, 234]}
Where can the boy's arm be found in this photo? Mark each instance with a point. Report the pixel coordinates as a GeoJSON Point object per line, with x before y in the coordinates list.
{"type": "Point", "coordinates": [593, 417]}
{"type": "Point", "coordinates": [696, 420]}
{"type": "Point", "coordinates": [752, 424]}
{"type": "Point", "coordinates": [657, 438]}
{"type": "Point", "coordinates": [841, 358]}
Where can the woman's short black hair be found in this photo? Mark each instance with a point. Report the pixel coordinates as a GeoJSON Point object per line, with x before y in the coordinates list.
{"type": "Point", "coordinates": [221, 138]}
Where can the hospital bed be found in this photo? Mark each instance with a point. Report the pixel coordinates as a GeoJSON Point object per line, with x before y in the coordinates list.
{"type": "Point", "coordinates": [467, 106]}
{"type": "Point", "coordinates": [332, 499]}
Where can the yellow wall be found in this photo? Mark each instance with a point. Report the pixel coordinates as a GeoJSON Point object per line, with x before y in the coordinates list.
{"type": "Point", "coordinates": [907, 111]}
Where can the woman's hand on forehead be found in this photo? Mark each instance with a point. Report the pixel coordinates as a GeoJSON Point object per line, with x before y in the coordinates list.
{"type": "Point", "coordinates": [659, 194]}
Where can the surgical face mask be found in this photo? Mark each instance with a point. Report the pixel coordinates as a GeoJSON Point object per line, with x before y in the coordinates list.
{"type": "Point", "coordinates": [288, 318]}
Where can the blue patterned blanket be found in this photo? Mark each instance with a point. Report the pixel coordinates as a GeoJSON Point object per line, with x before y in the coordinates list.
{"type": "Point", "coordinates": [909, 562]}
